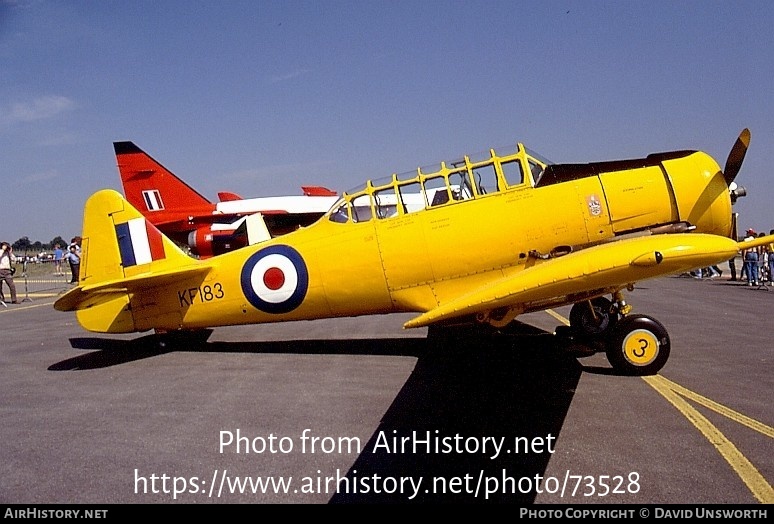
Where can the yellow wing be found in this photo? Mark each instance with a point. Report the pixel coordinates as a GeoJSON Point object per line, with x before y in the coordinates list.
{"type": "Point", "coordinates": [597, 269]}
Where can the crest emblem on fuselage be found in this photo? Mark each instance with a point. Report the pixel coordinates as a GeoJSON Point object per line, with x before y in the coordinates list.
{"type": "Point", "coordinates": [595, 206]}
{"type": "Point", "coordinates": [275, 279]}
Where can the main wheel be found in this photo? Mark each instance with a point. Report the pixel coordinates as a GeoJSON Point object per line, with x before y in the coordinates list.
{"type": "Point", "coordinates": [639, 345]}
{"type": "Point", "coordinates": [594, 317]}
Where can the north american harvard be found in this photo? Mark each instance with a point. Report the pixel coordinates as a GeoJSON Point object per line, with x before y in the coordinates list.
{"type": "Point", "coordinates": [478, 241]}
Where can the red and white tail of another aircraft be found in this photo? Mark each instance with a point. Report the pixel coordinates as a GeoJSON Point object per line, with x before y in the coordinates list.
{"type": "Point", "coordinates": [210, 228]}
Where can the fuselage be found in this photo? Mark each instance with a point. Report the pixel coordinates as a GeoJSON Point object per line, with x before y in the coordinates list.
{"type": "Point", "coordinates": [414, 241]}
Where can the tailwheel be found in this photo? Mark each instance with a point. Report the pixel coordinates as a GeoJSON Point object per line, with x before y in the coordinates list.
{"type": "Point", "coordinates": [593, 317]}
{"type": "Point", "coordinates": [639, 345]}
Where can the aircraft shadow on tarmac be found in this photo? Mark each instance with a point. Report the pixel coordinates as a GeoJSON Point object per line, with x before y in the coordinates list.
{"type": "Point", "coordinates": [113, 352]}
{"type": "Point", "coordinates": [518, 385]}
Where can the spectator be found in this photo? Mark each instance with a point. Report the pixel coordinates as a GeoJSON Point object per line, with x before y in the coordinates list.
{"type": "Point", "coordinates": [762, 265]}
{"type": "Point", "coordinates": [76, 241]}
{"type": "Point", "coordinates": [732, 267]}
{"type": "Point", "coordinates": [7, 258]}
{"type": "Point", "coordinates": [750, 257]}
{"type": "Point", "coordinates": [770, 249]}
{"type": "Point", "coordinates": [74, 259]}
{"type": "Point", "coordinates": [58, 257]}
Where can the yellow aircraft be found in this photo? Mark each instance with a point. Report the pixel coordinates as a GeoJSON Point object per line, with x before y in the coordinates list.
{"type": "Point", "coordinates": [479, 241]}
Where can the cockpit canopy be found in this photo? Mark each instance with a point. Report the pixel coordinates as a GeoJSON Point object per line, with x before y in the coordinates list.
{"type": "Point", "coordinates": [470, 177]}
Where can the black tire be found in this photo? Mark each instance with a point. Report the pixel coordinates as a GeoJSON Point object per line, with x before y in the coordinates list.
{"type": "Point", "coordinates": [639, 345]}
{"type": "Point", "coordinates": [603, 319]}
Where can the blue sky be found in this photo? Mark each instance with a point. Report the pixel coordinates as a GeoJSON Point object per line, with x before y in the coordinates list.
{"type": "Point", "coordinates": [260, 97]}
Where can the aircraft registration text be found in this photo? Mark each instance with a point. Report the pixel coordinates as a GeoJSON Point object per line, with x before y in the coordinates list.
{"type": "Point", "coordinates": [207, 293]}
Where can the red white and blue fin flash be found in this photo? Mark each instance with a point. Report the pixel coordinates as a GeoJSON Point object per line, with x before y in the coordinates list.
{"type": "Point", "coordinates": [275, 279]}
{"type": "Point", "coordinates": [152, 199]}
{"type": "Point", "coordinates": [139, 242]}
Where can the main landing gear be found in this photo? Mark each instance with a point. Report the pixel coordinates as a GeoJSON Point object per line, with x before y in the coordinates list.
{"type": "Point", "coordinates": [634, 344]}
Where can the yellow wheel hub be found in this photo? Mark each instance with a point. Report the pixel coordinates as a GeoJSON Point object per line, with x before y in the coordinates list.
{"type": "Point", "coordinates": [640, 347]}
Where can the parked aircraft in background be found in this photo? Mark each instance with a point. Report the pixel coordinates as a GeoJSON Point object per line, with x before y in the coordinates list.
{"type": "Point", "coordinates": [210, 228]}
{"type": "Point", "coordinates": [477, 242]}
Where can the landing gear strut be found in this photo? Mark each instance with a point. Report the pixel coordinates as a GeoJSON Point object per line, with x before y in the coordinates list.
{"type": "Point", "coordinates": [634, 344]}
{"type": "Point", "coordinates": [594, 317]}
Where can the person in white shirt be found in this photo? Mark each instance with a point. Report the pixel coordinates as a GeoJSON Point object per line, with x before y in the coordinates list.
{"type": "Point", "coordinates": [73, 257]}
{"type": "Point", "coordinates": [6, 271]}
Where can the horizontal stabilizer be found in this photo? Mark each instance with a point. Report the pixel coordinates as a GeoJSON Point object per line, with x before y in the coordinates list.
{"type": "Point", "coordinates": [73, 299]}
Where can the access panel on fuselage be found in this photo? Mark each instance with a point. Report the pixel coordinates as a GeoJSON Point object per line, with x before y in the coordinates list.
{"type": "Point", "coordinates": [568, 214]}
{"type": "Point", "coordinates": [636, 198]}
{"type": "Point", "coordinates": [347, 263]}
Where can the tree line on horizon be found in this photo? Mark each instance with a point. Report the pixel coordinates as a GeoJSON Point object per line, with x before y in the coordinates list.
{"type": "Point", "coordinates": [25, 245]}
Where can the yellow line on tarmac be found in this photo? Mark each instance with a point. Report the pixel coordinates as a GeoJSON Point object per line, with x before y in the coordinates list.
{"type": "Point", "coordinates": [753, 424]}
{"type": "Point", "coordinates": [558, 317]}
{"type": "Point", "coordinates": [757, 484]}
{"type": "Point", "coordinates": [21, 306]}
{"type": "Point", "coordinates": [41, 281]}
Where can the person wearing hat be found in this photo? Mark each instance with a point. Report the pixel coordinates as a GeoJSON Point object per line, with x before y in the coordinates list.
{"type": "Point", "coordinates": [750, 258]}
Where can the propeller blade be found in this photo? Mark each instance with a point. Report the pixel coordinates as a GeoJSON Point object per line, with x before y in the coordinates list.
{"type": "Point", "coordinates": [736, 156]}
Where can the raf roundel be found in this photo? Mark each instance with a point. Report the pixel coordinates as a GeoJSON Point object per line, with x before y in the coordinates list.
{"type": "Point", "coordinates": [275, 279]}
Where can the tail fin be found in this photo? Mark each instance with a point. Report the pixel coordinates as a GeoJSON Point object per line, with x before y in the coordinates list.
{"type": "Point", "coordinates": [152, 188]}
{"type": "Point", "coordinates": [122, 254]}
